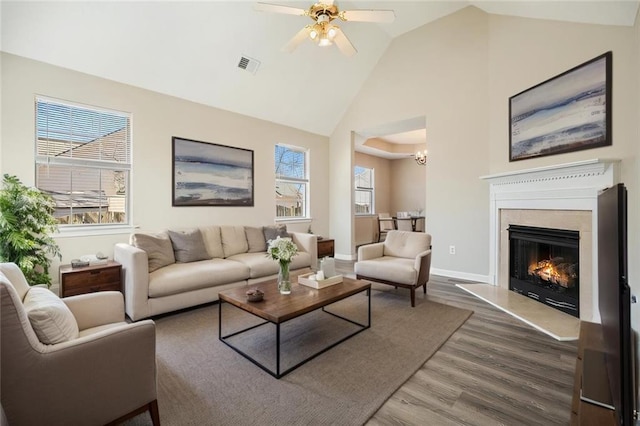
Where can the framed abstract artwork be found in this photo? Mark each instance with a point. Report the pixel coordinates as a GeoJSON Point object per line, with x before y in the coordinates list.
{"type": "Point", "coordinates": [569, 112]}
{"type": "Point", "coordinates": [208, 174]}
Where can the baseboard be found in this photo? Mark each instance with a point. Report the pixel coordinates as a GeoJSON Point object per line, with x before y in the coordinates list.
{"type": "Point", "coordinates": [345, 257]}
{"type": "Point", "coordinates": [461, 275]}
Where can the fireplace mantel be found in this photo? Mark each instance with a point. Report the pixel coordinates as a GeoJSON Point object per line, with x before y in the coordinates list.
{"type": "Point", "coordinates": [569, 186]}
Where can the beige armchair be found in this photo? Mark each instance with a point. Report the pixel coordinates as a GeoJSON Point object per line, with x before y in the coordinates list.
{"type": "Point", "coordinates": [94, 369]}
{"type": "Point", "coordinates": [402, 260]}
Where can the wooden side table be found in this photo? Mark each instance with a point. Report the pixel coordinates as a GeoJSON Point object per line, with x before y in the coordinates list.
{"type": "Point", "coordinates": [89, 279]}
{"type": "Point", "coordinates": [326, 248]}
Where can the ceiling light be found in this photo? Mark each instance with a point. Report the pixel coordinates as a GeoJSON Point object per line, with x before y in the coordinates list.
{"type": "Point", "coordinates": [313, 34]}
{"type": "Point", "coordinates": [324, 41]}
{"type": "Point", "coordinates": [332, 32]}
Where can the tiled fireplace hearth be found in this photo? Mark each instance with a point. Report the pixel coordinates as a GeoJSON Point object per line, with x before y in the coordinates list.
{"type": "Point", "coordinates": [560, 197]}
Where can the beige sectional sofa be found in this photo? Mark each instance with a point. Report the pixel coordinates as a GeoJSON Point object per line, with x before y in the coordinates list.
{"type": "Point", "coordinates": [170, 270]}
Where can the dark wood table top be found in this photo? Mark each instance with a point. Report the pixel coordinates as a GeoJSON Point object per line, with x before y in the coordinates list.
{"type": "Point", "coordinates": [278, 308]}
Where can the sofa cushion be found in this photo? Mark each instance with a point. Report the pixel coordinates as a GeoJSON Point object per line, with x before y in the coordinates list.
{"type": "Point", "coordinates": [188, 246]}
{"type": "Point", "coordinates": [394, 269]}
{"type": "Point", "coordinates": [181, 277]}
{"type": "Point", "coordinates": [255, 239]}
{"type": "Point", "coordinates": [50, 317]}
{"type": "Point", "coordinates": [234, 240]}
{"type": "Point", "coordinates": [273, 232]}
{"type": "Point", "coordinates": [212, 241]}
{"type": "Point", "coordinates": [158, 247]}
{"type": "Point", "coordinates": [406, 244]}
{"type": "Point", "coordinates": [261, 266]}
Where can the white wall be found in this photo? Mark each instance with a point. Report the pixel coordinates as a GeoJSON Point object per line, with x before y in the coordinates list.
{"type": "Point", "coordinates": [156, 118]}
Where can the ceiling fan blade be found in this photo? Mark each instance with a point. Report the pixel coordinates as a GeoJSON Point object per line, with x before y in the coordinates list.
{"type": "Point", "coordinates": [296, 40]}
{"type": "Point", "coordinates": [276, 8]}
{"type": "Point", "coordinates": [368, 15]}
{"type": "Point", "coordinates": [343, 43]}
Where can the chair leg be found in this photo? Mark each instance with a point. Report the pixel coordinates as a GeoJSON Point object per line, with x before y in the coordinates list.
{"type": "Point", "coordinates": [424, 287]}
{"type": "Point", "coordinates": [155, 414]}
{"type": "Point", "coordinates": [413, 297]}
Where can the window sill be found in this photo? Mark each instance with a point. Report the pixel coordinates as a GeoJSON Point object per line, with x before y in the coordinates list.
{"type": "Point", "coordinates": [87, 231]}
{"type": "Point", "coordinates": [293, 220]}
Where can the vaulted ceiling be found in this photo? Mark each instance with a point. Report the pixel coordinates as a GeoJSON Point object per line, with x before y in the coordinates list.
{"type": "Point", "coordinates": [192, 49]}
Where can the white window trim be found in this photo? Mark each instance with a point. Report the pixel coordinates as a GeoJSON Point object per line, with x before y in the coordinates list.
{"type": "Point", "coordinates": [307, 202]}
{"type": "Point", "coordinates": [75, 230]}
{"type": "Point", "coordinates": [367, 189]}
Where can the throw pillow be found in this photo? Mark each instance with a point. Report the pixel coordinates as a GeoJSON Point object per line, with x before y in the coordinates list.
{"type": "Point", "coordinates": [50, 317]}
{"type": "Point", "coordinates": [255, 239]}
{"type": "Point", "coordinates": [212, 240]}
{"type": "Point", "coordinates": [158, 247]}
{"type": "Point", "coordinates": [188, 246]}
{"type": "Point", "coordinates": [234, 240]}
{"type": "Point", "coordinates": [273, 232]}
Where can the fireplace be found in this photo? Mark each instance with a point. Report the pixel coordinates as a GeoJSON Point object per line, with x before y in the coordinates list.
{"type": "Point", "coordinates": [544, 266]}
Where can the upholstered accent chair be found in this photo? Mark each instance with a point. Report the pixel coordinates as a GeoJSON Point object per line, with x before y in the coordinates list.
{"type": "Point", "coordinates": [402, 260]}
{"type": "Point", "coordinates": [72, 361]}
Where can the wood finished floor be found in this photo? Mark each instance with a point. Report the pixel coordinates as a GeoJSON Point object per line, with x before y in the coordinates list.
{"type": "Point", "coordinates": [495, 370]}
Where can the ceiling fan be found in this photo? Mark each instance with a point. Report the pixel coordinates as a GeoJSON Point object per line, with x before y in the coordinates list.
{"type": "Point", "coordinates": [323, 31]}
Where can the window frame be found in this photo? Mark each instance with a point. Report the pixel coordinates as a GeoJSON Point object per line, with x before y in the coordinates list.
{"type": "Point", "coordinates": [362, 189]}
{"type": "Point", "coordinates": [306, 181]}
{"type": "Point", "coordinates": [99, 165]}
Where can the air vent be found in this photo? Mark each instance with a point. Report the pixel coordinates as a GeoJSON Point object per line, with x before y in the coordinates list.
{"type": "Point", "coordinates": [249, 64]}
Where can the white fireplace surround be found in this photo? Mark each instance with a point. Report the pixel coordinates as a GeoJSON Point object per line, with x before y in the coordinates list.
{"type": "Point", "coordinates": [569, 186]}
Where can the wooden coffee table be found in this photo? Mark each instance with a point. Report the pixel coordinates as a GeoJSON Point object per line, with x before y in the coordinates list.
{"type": "Point", "coordinates": [278, 308]}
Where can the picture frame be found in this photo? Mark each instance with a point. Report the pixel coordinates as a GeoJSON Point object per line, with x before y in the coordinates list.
{"type": "Point", "coordinates": [566, 113]}
{"type": "Point", "coordinates": [209, 174]}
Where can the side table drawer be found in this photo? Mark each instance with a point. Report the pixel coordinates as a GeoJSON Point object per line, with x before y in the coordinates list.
{"type": "Point", "coordinates": [325, 248]}
{"type": "Point", "coordinates": [95, 277]}
{"type": "Point", "coordinates": [89, 279]}
{"type": "Point", "coordinates": [91, 289]}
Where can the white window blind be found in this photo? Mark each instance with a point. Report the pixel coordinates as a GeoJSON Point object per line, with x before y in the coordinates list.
{"type": "Point", "coordinates": [83, 160]}
{"type": "Point", "coordinates": [292, 182]}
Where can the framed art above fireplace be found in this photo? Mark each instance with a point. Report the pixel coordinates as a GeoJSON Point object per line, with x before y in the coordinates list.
{"type": "Point", "coordinates": [569, 112]}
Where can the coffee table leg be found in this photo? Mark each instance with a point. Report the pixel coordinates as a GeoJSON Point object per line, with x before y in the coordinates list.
{"type": "Point", "coordinates": [278, 351]}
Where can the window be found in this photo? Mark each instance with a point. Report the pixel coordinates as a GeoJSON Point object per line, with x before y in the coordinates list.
{"type": "Point", "coordinates": [292, 182]}
{"type": "Point", "coordinates": [363, 178]}
{"type": "Point", "coordinates": [83, 160]}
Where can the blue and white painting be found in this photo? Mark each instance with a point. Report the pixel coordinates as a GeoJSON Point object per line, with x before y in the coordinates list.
{"type": "Point", "coordinates": [566, 113]}
{"type": "Point", "coordinates": [206, 174]}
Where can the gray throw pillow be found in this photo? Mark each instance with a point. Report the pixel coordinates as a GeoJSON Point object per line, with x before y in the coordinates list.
{"type": "Point", "coordinates": [158, 247]}
{"type": "Point", "coordinates": [255, 238]}
{"type": "Point", "coordinates": [273, 232]}
{"type": "Point", "coordinates": [188, 246]}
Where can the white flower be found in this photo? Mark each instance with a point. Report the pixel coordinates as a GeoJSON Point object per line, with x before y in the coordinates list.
{"type": "Point", "coordinates": [282, 249]}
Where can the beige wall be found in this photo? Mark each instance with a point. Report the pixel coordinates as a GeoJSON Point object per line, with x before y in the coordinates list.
{"type": "Point", "coordinates": [408, 182]}
{"type": "Point", "coordinates": [156, 118]}
{"type": "Point", "coordinates": [447, 83]}
{"type": "Point", "coordinates": [464, 68]}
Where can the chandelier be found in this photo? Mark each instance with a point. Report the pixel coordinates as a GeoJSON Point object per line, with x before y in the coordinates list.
{"type": "Point", "coordinates": [421, 157]}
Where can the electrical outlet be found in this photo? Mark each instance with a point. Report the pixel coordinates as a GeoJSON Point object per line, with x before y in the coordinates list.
{"type": "Point", "coordinates": [452, 249]}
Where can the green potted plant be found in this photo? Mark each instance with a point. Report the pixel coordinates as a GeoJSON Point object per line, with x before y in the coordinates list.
{"type": "Point", "coordinates": [26, 228]}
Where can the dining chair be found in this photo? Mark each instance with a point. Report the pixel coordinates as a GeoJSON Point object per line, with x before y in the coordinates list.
{"type": "Point", "coordinates": [385, 224]}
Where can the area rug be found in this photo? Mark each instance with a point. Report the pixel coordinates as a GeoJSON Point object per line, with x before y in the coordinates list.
{"type": "Point", "coordinates": [201, 381]}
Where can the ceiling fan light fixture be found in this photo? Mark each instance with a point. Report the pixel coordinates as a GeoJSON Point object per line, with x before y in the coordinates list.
{"type": "Point", "coordinates": [324, 41]}
{"type": "Point", "coordinates": [331, 33]}
{"type": "Point", "coordinates": [313, 34]}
